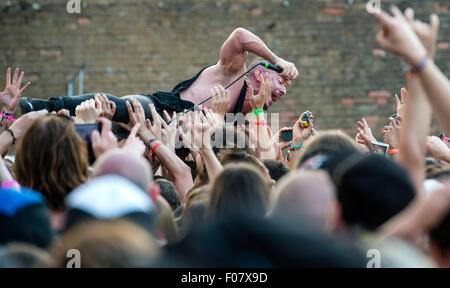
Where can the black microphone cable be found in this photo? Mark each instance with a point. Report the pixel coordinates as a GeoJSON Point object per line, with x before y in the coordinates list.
{"type": "Point", "coordinates": [265, 64]}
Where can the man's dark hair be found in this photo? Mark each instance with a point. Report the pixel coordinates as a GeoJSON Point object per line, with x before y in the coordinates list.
{"type": "Point", "coordinates": [276, 169]}
{"type": "Point", "coordinates": [371, 188]}
{"type": "Point", "coordinates": [230, 156]}
{"type": "Point", "coordinates": [241, 242]}
{"type": "Point", "coordinates": [169, 193]}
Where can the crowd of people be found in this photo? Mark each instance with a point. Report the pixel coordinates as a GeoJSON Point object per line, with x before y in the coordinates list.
{"type": "Point", "coordinates": [159, 181]}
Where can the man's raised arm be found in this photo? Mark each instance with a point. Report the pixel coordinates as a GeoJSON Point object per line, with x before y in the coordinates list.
{"type": "Point", "coordinates": [234, 53]}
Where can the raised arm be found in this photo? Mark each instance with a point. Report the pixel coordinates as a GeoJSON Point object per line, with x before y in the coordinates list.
{"type": "Point", "coordinates": [151, 135]}
{"type": "Point", "coordinates": [414, 135]}
{"type": "Point", "coordinates": [257, 121]}
{"type": "Point", "coordinates": [234, 53]}
{"type": "Point", "coordinates": [414, 41]}
{"type": "Point", "coordinates": [437, 89]}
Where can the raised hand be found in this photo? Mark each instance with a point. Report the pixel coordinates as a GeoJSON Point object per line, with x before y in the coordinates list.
{"type": "Point", "coordinates": [156, 127]}
{"type": "Point", "coordinates": [427, 33]}
{"type": "Point", "coordinates": [300, 133]}
{"type": "Point", "coordinates": [257, 101]}
{"type": "Point", "coordinates": [185, 131]}
{"type": "Point", "coordinates": [290, 72]}
{"type": "Point", "coordinates": [104, 141]}
{"type": "Point", "coordinates": [10, 97]}
{"type": "Point", "coordinates": [201, 128]}
{"type": "Point", "coordinates": [398, 36]}
{"type": "Point", "coordinates": [391, 134]}
{"type": "Point", "coordinates": [64, 112]}
{"type": "Point", "coordinates": [21, 124]}
{"type": "Point", "coordinates": [197, 130]}
{"type": "Point", "coordinates": [364, 135]}
{"type": "Point", "coordinates": [437, 149]}
{"type": "Point", "coordinates": [214, 119]}
{"type": "Point", "coordinates": [220, 100]}
{"type": "Point", "coordinates": [138, 117]}
{"type": "Point", "coordinates": [133, 143]}
{"type": "Point", "coordinates": [108, 107]}
{"type": "Point", "coordinates": [278, 138]}
{"type": "Point", "coordinates": [169, 132]}
{"type": "Point", "coordinates": [88, 111]}
{"type": "Point", "coordinates": [401, 102]}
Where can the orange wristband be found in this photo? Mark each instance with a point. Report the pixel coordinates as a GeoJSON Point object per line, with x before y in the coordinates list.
{"type": "Point", "coordinates": [393, 151]}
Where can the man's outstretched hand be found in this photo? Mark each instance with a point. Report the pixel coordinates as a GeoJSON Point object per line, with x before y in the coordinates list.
{"type": "Point", "coordinates": [9, 98]}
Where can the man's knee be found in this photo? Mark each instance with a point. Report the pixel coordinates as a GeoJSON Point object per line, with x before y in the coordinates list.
{"type": "Point", "coordinates": [144, 101]}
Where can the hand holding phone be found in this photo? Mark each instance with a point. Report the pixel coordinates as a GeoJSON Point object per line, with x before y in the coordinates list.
{"type": "Point", "coordinates": [305, 120]}
{"type": "Point", "coordinates": [85, 131]}
{"type": "Point", "coordinates": [287, 135]}
{"type": "Point", "coordinates": [380, 147]}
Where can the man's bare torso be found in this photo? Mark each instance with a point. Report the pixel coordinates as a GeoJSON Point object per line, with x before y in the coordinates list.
{"type": "Point", "coordinates": [208, 79]}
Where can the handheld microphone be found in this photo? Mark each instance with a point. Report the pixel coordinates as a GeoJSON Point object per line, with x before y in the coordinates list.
{"type": "Point", "coordinates": [271, 67]}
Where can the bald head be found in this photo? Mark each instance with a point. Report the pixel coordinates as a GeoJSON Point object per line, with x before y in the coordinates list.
{"type": "Point", "coordinates": [128, 165]}
{"type": "Point", "coordinates": [306, 197]}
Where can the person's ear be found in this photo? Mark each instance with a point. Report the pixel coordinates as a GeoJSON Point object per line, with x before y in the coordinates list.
{"type": "Point", "coordinates": [154, 193]}
{"type": "Point", "coordinates": [258, 75]}
{"type": "Point", "coordinates": [337, 223]}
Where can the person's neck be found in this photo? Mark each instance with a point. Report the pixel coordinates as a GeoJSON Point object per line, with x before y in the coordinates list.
{"type": "Point", "coordinates": [57, 219]}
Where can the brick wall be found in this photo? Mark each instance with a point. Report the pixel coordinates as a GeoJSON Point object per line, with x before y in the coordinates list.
{"type": "Point", "coordinates": [134, 46]}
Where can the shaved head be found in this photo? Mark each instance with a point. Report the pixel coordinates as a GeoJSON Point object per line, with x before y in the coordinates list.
{"type": "Point", "coordinates": [126, 164]}
{"type": "Point", "coordinates": [306, 197]}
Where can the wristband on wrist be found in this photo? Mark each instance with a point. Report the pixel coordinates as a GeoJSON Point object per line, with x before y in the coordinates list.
{"type": "Point", "coordinates": [295, 148]}
{"type": "Point", "coordinates": [416, 69]}
{"type": "Point", "coordinates": [12, 135]}
{"type": "Point", "coordinates": [291, 149]}
{"type": "Point", "coordinates": [258, 111]}
{"type": "Point", "coordinates": [149, 142]}
{"type": "Point", "coordinates": [156, 146]}
{"type": "Point", "coordinates": [393, 151]}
